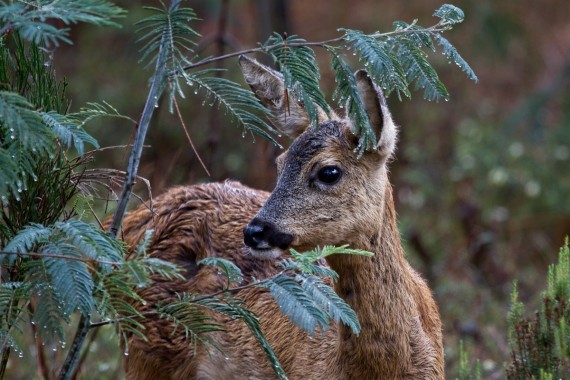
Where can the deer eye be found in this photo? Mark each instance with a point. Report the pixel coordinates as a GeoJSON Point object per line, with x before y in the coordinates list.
{"type": "Point", "coordinates": [329, 175]}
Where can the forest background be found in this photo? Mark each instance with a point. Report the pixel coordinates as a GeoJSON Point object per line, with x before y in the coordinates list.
{"type": "Point", "coordinates": [481, 181]}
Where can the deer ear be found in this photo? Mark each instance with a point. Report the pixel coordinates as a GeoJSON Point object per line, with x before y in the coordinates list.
{"type": "Point", "coordinates": [267, 84]}
{"type": "Point", "coordinates": [378, 114]}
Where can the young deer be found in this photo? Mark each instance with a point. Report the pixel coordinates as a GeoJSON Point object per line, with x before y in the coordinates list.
{"type": "Point", "coordinates": [324, 195]}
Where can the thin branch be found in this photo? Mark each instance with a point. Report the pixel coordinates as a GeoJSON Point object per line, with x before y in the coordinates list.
{"type": "Point", "coordinates": [188, 136]}
{"type": "Point", "coordinates": [439, 27]}
{"type": "Point", "coordinates": [193, 300]}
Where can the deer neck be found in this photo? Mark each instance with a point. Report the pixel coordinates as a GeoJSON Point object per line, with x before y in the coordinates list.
{"type": "Point", "coordinates": [377, 289]}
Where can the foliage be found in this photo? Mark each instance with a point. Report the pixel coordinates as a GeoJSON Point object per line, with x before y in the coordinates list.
{"type": "Point", "coordinates": [540, 346]}
{"type": "Point", "coordinates": [29, 19]}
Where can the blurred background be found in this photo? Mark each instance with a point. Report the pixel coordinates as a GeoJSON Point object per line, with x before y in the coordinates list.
{"type": "Point", "coordinates": [482, 182]}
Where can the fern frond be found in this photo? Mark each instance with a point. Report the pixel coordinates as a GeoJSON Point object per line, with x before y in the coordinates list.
{"type": "Point", "coordinates": [191, 317]}
{"type": "Point", "coordinates": [347, 95]}
{"type": "Point", "coordinates": [48, 314]}
{"type": "Point", "coordinates": [29, 18]}
{"type": "Point", "coordinates": [12, 309]}
{"type": "Point", "coordinates": [449, 14]}
{"type": "Point", "coordinates": [380, 60]}
{"type": "Point", "coordinates": [418, 70]}
{"type": "Point", "coordinates": [23, 133]}
{"type": "Point", "coordinates": [169, 29]}
{"type": "Point", "coordinates": [26, 239]}
{"type": "Point", "coordinates": [90, 240]}
{"type": "Point", "coordinates": [306, 258]}
{"type": "Point", "coordinates": [114, 297]}
{"type": "Point", "coordinates": [296, 304]}
{"type": "Point", "coordinates": [240, 104]}
{"type": "Point", "coordinates": [70, 279]}
{"type": "Point", "coordinates": [449, 51]}
{"type": "Point", "coordinates": [230, 270]}
{"type": "Point", "coordinates": [327, 300]}
{"type": "Point", "coordinates": [235, 309]}
{"type": "Point", "coordinates": [68, 131]}
{"type": "Point", "coordinates": [300, 72]}
{"type": "Point", "coordinates": [8, 340]}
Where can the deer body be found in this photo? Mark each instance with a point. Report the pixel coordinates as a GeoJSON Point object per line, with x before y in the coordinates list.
{"type": "Point", "coordinates": [325, 195]}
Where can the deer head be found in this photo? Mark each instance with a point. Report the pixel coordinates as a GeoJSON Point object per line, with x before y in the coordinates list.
{"type": "Point", "coordinates": [324, 195]}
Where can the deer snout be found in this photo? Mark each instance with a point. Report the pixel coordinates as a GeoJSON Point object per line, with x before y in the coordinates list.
{"type": "Point", "coordinates": [264, 236]}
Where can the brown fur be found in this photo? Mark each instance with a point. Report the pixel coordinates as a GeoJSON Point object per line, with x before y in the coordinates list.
{"type": "Point", "coordinates": [401, 330]}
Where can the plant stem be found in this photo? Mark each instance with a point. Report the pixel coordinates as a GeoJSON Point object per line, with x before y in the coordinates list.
{"type": "Point", "coordinates": [157, 86]}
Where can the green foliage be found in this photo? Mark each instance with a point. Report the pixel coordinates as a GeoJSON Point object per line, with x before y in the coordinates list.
{"type": "Point", "coordinates": [29, 19]}
{"type": "Point", "coordinates": [466, 371]}
{"type": "Point", "coordinates": [240, 104]}
{"type": "Point", "coordinates": [300, 71]}
{"type": "Point", "coordinates": [540, 346]}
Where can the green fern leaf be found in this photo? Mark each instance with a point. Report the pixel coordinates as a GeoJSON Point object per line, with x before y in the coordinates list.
{"type": "Point", "coordinates": [452, 55]}
{"type": "Point", "coordinates": [327, 300]}
{"type": "Point", "coordinates": [67, 131]}
{"type": "Point", "coordinates": [191, 317]}
{"type": "Point", "coordinates": [346, 94]}
{"type": "Point", "coordinates": [70, 279]}
{"type": "Point", "coordinates": [296, 304]}
{"type": "Point", "coordinates": [26, 239]}
{"type": "Point", "coordinates": [235, 309]}
{"type": "Point", "coordinates": [300, 72]}
{"type": "Point", "coordinates": [379, 59]}
{"type": "Point", "coordinates": [417, 68]}
{"type": "Point", "coordinates": [240, 104]}
{"type": "Point", "coordinates": [23, 132]}
{"type": "Point", "coordinates": [90, 240]}
{"type": "Point", "coordinates": [12, 310]}
{"type": "Point", "coordinates": [29, 18]}
{"type": "Point", "coordinates": [449, 14]}
{"type": "Point", "coordinates": [231, 271]}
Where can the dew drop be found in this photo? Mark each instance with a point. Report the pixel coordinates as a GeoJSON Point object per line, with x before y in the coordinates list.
{"type": "Point", "coordinates": [126, 353]}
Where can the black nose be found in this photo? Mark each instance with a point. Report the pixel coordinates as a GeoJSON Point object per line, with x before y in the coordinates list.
{"type": "Point", "coordinates": [265, 235]}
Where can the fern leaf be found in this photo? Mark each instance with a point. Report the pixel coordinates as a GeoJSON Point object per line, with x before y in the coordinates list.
{"type": "Point", "coordinates": [48, 314]}
{"type": "Point", "coordinates": [29, 18]}
{"type": "Point", "coordinates": [296, 304]}
{"type": "Point", "coordinates": [12, 309]}
{"type": "Point", "coordinates": [417, 68]}
{"type": "Point", "coordinates": [68, 132]}
{"type": "Point", "coordinates": [114, 297]}
{"type": "Point", "coordinates": [22, 130]}
{"type": "Point", "coordinates": [26, 239]}
{"type": "Point", "coordinates": [452, 55]}
{"type": "Point", "coordinates": [191, 317]}
{"type": "Point", "coordinates": [90, 240]}
{"type": "Point", "coordinates": [70, 279]}
{"type": "Point", "coordinates": [329, 301]}
{"type": "Point", "coordinates": [300, 72]}
{"type": "Point", "coordinates": [378, 57]}
{"type": "Point", "coordinates": [234, 308]}
{"type": "Point", "coordinates": [346, 94]}
{"type": "Point", "coordinates": [240, 104]}
{"type": "Point", "coordinates": [450, 14]}
{"type": "Point", "coordinates": [231, 271]}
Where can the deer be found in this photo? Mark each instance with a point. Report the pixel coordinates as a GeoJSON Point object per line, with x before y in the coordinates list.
{"type": "Point", "coordinates": [325, 195]}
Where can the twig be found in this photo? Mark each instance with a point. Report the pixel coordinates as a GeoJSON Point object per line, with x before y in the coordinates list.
{"type": "Point", "coordinates": [188, 136]}
{"type": "Point", "coordinates": [158, 84]}
{"type": "Point", "coordinates": [439, 27]}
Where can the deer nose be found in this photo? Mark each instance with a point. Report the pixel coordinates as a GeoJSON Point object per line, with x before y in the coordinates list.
{"type": "Point", "coordinates": [265, 235]}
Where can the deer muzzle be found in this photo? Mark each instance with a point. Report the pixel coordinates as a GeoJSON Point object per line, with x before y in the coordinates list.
{"type": "Point", "coordinates": [265, 240]}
